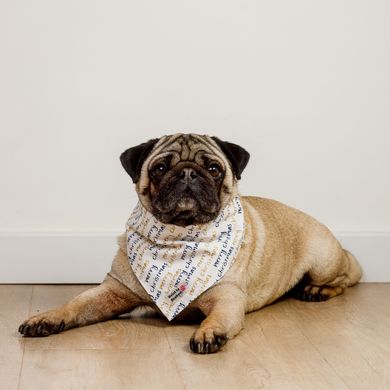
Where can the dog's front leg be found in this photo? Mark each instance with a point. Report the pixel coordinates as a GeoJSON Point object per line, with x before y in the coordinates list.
{"type": "Point", "coordinates": [224, 307]}
{"type": "Point", "coordinates": [100, 303]}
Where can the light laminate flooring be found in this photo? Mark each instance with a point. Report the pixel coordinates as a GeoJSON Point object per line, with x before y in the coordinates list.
{"type": "Point", "coordinates": [343, 343]}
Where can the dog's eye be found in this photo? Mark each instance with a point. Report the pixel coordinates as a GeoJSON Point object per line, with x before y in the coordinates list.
{"type": "Point", "coordinates": [160, 168]}
{"type": "Point", "coordinates": [214, 169]}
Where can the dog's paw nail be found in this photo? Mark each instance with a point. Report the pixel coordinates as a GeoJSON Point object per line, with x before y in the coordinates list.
{"type": "Point", "coordinates": [39, 327]}
{"type": "Point", "coordinates": [213, 344]}
{"type": "Point", "coordinates": [221, 340]}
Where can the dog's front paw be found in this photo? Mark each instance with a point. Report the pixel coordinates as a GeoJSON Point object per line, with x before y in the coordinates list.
{"type": "Point", "coordinates": [207, 340]}
{"type": "Point", "coordinates": [42, 325]}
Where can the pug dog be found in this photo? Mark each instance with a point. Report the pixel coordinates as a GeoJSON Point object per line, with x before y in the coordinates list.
{"type": "Point", "coordinates": [187, 179]}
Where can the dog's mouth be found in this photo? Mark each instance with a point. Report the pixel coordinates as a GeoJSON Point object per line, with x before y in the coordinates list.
{"type": "Point", "coordinates": [185, 210]}
{"type": "Point", "coordinates": [184, 218]}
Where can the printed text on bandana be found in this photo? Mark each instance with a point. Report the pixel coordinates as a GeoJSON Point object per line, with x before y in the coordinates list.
{"type": "Point", "coordinates": [176, 264]}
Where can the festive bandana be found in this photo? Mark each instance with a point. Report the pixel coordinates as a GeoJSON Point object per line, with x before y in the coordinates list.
{"type": "Point", "coordinates": [176, 264]}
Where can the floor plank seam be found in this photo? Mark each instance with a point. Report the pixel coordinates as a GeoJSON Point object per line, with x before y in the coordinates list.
{"type": "Point", "coordinates": [23, 341]}
{"type": "Point", "coordinates": [174, 359]}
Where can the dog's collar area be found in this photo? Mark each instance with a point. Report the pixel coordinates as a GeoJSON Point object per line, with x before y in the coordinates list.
{"type": "Point", "coordinates": [175, 264]}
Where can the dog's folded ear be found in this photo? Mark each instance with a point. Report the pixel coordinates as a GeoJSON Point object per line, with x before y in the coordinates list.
{"type": "Point", "coordinates": [133, 158]}
{"type": "Point", "coordinates": [237, 156]}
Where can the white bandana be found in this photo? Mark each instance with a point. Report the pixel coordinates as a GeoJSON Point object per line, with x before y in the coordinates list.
{"type": "Point", "coordinates": [176, 264]}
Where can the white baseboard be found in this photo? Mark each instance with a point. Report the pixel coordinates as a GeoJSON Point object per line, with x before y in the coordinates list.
{"type": "Point", "coordinates": [87, 257]}
{"type": "Point", "coordinates": [56, 257]}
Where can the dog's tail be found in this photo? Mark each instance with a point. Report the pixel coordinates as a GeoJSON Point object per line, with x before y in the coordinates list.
{"type": "Point", "coordinates": [354, 270]}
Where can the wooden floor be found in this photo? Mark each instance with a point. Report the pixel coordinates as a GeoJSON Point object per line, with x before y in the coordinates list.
{"type": "Point", "coordinates": [343, 343]}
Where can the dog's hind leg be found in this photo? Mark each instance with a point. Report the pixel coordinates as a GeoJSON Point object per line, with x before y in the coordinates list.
{"type": "Point", "coordinates": [100, 303]}
{"type": "Point", "coordinates": [329, 276]}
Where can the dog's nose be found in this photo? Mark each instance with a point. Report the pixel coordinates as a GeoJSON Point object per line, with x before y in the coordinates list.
{"type": "Point", "coordinates": [188, 175]}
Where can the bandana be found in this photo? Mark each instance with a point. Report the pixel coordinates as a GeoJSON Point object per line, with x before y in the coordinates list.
{"type": "Point", "coordinates": [176, 264]}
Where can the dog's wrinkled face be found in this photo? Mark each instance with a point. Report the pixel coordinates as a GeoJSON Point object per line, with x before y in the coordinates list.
{"type": "Point", "coordinates": [185, 179]}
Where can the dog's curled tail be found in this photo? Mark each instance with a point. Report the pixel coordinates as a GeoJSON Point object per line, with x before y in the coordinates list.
{"type": "Point", "coordinates": [354, 270]}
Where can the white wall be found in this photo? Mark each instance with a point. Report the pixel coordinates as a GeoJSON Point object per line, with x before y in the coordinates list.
{"type": "Point", "coordinates": [303, 85]}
